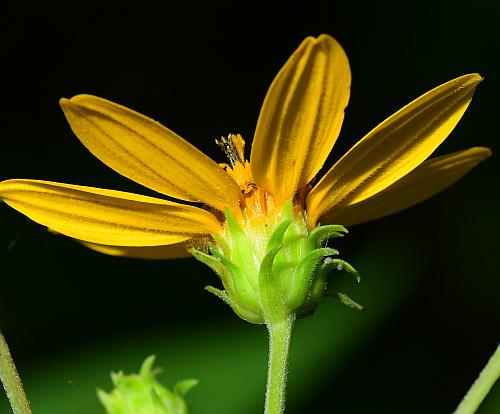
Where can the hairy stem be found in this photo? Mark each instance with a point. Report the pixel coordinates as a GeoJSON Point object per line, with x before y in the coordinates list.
{"type": "Point", "coordinates": [279, 351]}
{"type": "Point", "coordinates": [11, 381]}
{"type": "Point", "coordinates": [487, 378]}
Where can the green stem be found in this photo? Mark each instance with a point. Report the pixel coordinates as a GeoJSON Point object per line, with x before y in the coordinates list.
{"type": "Point", "coordinates": [279, 351]}
{"type": "Point", "coordinates": [482, 385]}
{"type": "Point", "coordinates": [11, 381]}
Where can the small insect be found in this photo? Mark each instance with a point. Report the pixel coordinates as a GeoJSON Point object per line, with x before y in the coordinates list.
{"type": "Point", "coordinates": [231, 151]}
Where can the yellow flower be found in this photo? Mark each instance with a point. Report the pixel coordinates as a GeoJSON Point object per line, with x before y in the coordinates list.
{"type": "Point", "coordinates": [300, 120]}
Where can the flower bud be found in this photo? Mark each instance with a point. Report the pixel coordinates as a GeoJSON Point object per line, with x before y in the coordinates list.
{"type": "Point", "coordinates": [142, 394]}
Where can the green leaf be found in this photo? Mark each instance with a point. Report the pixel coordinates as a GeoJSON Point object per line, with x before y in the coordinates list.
{"type": "Point", "coordinates": [339, 265]}
{"type": "Point", "coordinates": [182, 387]}
{"type": "Point", "coordinates": [269, 287]}
{"type": "Point", "coordinates": [322, 233]}
{"type": "Point", "coordinates": [276, 238]}
{"type": "Point", "coordinates": [241, 311]}
{"type": "Point", "coordinates": [211, 261]}
{"type": "Point", "coordinates": [302, 277]}
{"type": "Point", "coordinates": [240, 245]}
{"type": "Point", "coordinates": [344, 299]}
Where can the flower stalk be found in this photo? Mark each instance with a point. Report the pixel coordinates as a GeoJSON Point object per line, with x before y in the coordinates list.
{"type": "Point", "coordinates": [279, 352]}
{"type": "Point", "coordinates": [11, 381]}
{"type": "Point", "coordinates": [479, 390]}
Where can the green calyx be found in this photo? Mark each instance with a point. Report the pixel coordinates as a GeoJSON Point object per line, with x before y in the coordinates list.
{"type": "Point", "coordinates": [273, 268]}
{"type": "Point", "coordinates": [142, 394]}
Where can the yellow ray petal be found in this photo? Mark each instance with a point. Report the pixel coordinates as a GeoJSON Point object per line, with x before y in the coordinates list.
{"type": "Point", "coordinates": [301, 117]}
{"type": "Point", "coordinates": [393, 148]}
{"type": "Point", "coordinates": [171, 251]}
{"type": "Point", "coordinates": [428, 179]}
{"type": "Point", "coordinates": [107, 216]}
{"type": "Point", "coordinates": [148, 153]}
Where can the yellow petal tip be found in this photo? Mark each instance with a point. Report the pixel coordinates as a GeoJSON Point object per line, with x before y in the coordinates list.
{"type": "Point", "coordinates": [480, 152]}
{"type": "Point", "coordinates": [325, 36]}
{"type": "Point", "coordinates": [486, 152]}
{"type": "Point", "coordinates": [64, 101]}
{"type": "Point", "coordinates": [79, 99]}
{"type": "Point", "coordinates": [473, 79]}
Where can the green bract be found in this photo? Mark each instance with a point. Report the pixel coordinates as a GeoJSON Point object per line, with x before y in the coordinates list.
{"type": "Point", "coordinates": [142, 394]}
{"type": "Point", "coordinates": [275, 268]}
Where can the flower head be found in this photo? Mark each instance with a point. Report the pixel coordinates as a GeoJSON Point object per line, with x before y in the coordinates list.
{"type": "Point", "coordinates": [260, 218]}
{"type": "Point", "coordinates": [143, 394]}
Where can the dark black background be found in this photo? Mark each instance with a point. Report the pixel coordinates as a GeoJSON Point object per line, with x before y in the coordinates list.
{"type": "Point", "coordinates": [205, 74]}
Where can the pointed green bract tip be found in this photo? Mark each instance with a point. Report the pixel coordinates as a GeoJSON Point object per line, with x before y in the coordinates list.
{"type": "Point", "coordinates": [143, 394]}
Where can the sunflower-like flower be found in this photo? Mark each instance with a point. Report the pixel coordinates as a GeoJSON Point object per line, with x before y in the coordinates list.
{"type": "Point", "coordinates": [257, 224]}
